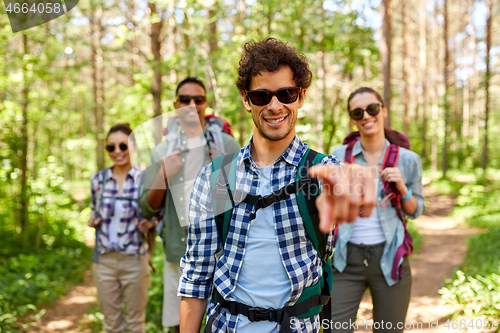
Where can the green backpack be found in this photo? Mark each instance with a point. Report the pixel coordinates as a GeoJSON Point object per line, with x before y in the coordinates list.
{"type": "Point", "coordinates": [306, 188]}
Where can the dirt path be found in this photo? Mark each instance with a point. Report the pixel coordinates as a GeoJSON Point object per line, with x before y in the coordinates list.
{"type": "Point", "coordinates": [442, 251]}
{"type": "Point", "coordinates": [68, 314]}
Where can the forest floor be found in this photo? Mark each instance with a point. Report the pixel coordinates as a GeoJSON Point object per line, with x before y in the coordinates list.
{"type": "Point", "coordinates": [445, 243]}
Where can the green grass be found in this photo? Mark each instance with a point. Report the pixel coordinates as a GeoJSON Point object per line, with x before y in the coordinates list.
{"type": "Point", "coordinates": [476, 284]}
{"type": "Point", "coordinates": [30, 280]}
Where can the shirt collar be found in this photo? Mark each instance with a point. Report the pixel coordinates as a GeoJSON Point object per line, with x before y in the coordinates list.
{"type": "Point", "coordinates": [132, 173]}
{"type": "Point", "coordinates": [358, 149]}
{"type": "Point", "coordinates": [292, 155]}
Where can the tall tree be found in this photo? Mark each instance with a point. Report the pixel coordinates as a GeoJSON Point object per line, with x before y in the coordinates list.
{"type": "Point", "coordinates": [209, 55]}
{"type": "Point", "coordinates": [487, 83]}
{"type": "Point", "coordinates": [423, 75]}
{"type": "Point", "coordinates": [435, 83]}
{"type": "Point", "coordinates": [241, 30]}
{"type": "Point", "coordinates": [466, 84]}
{"type": "Point", "coordinates": [475, 82]}
{"type": "Point", "coordinates": [97, 59]}
{"type": "Point", "coordinates": [385, 55]}
{"type": "Point", "coordinates": [24, 215]}
{"type": "Point", "coordinates": [156, 89]}
{"type": "Point", "coordinates": [447, 79]}
{"type": "Point", "coordinates": [406, 64]}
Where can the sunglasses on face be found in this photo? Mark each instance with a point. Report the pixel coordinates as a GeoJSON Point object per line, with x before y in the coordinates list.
{"type": "Point", "coordinates": [262, 97]}
{"type": "Point", "coordinates": [122, 146]}
{"type": "Point", "coordinates": [186, 99]}
{"type": "Point", "coordinates": [372, 110]}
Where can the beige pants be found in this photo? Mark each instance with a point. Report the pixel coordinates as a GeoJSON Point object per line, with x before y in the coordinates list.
{"type": "Point", "coordinates": [122, 278]}
{"type": "Point", "coordinates": [171, 302]}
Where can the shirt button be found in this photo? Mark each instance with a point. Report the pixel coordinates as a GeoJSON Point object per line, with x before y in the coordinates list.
{"type": "Point", "coordinates": [240, 246]}
{"type": "Point", "coordinates": [183, 239]}
{"type": "Point", "coordinates": [181, 179]}
{"type": "Point", "coordinates": [255, 176]}
{"type": "Point", "coordinates": [183, 142]}
{"type": "Point", "coordinates": [247, 210]}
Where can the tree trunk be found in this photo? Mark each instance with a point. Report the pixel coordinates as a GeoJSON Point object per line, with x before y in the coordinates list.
{"type": "Point", "coordinates": [475, 83]}
{"type": "Point", "coordinates": [210, 54]}
{"type": "Point", "coordinates": [135, 58]}
{"type": "Point", "coordinates": [24, 213]}
{"type": "Point", "coordinates": [241, 30]}
{"type": "Point", "coordinates": [385, 55]}
{"type": "Point", "coordinates": [319, 118]}
{"type": "Point", "coordinates": [406, 64]}
{"type": "Point", "coordinates": [157, 79]}
{"type": "Point", "coordinates": [435, 95]}
{"type": "Point", "coordinates": [424, 77]}
{"type": "Point", "coordinates": [466, 92]}
{"type": "Point", "coordinates": [97, 76]}
{"type": "Point", "coordinates": [487, 84]}
{"type": "Point", "coordinates": [446, 101]}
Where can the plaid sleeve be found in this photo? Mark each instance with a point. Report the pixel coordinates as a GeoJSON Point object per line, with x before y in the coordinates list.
{"type": "Point", "coordinates": [329, 242]}
{"type": "Point", "coordinates": [198, 264]}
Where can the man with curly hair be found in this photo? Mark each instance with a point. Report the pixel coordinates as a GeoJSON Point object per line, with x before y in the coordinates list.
{"type": "Point", "coordinates": [258, 270]}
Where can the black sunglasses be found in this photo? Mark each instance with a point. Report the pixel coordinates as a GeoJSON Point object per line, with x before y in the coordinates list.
{"type": "Point", "coordinates": [186, 99]}
{"type": "Point", "coordinates": [372, 109]}
{"type": "Point", "coordinates": [261, 97]}
{"type": "Point", "coordinates": [122, 146]}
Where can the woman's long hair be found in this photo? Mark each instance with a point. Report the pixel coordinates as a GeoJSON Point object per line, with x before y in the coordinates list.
{"type": "Point", "coordinates": [390, 134]}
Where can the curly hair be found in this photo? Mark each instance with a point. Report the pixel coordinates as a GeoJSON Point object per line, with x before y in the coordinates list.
{"type": "Point", "coordinates": [269, 55]}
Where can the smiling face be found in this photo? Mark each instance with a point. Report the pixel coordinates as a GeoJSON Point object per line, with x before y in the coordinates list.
{"type": "Point", "coordinates": [118, 156]}
{"type": "Point", "coordinates": [191, 118]}
{"type": "Point", "coordinates": [274, 121]}
{"type": "Point", "coordinates": [368, 125]}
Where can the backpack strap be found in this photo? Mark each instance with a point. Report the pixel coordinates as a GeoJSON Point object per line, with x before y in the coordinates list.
{"type": "Point", "coordinates": [222, 183]}
{"type": "Point", "coordinates": [213, 135]}
{"type": "Point", "coordinates": [100, 191]}
{"type": "Point", "coordinates": [307, 203]}
{"type": "Point", "coordinates": [348, 156]}
{"type": "Point", "coordinates": [391, 160]}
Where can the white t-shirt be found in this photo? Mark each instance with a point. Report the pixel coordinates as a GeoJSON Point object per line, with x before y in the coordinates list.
{"type": "Point", "coordinates": [115, 222]}
{"type": "Point", "coordinates": [368, 230]}
{"type": "Point", "coordinates": [193, 164]}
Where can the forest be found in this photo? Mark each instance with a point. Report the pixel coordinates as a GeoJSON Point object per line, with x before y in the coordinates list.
{"type": "Point", "coordinates": [64, 83]}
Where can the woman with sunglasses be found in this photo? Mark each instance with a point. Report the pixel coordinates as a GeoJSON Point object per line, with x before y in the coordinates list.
{"type": "Point", "coordinates": [371, 252]}
{"type": "Point", "coordinates": [120, 268]}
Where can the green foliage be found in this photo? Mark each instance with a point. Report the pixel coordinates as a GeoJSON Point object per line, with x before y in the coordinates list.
{"type": "Point", "coordinates": [28, 280]}
{"type": "Point", "coordinates": [415, 235]}
{"type": "Point", "coordinates": [476, 283]}
{"type": "Point", "coordinates": [52, 262]}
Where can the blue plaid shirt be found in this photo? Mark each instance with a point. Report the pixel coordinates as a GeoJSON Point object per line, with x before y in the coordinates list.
{"type": "Point", "coordinates": [200, 268]}
{"type": "Point", "coordinates": [130, 239]}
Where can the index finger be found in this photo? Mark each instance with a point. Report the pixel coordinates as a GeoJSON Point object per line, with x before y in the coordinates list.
{"type": "Point", "coordinates": [369, 197]}
{"type": "Point", "coordinates": [175, 152]}
{"type": "Point", "coordinates": [335, 187]}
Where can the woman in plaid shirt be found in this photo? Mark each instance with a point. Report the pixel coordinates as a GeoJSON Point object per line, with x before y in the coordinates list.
{"type": "Point", "coordinates": [120, 268]}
